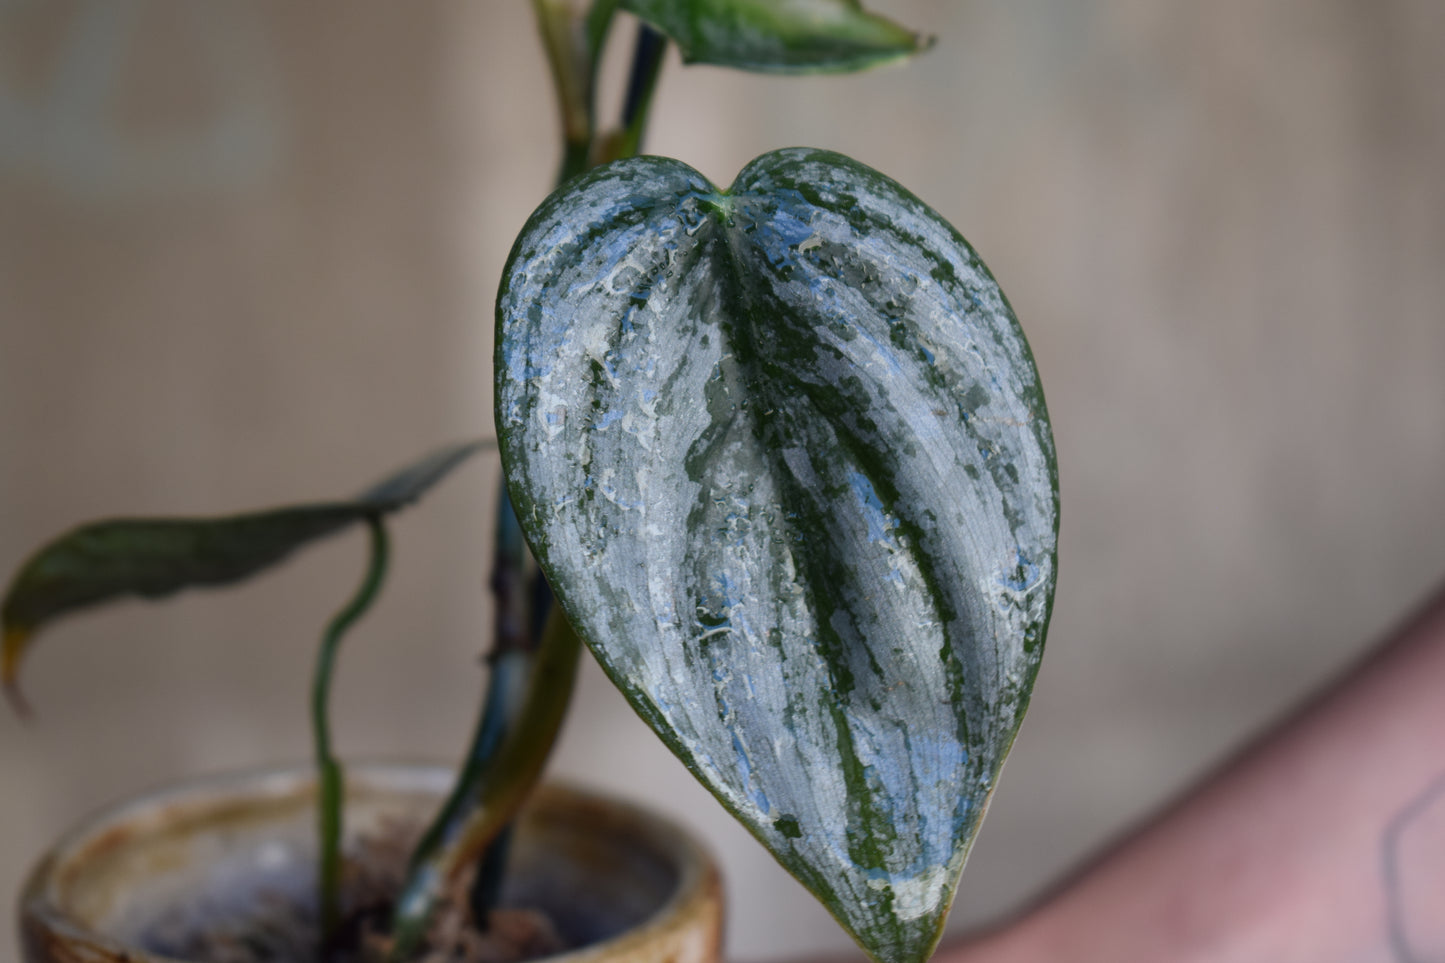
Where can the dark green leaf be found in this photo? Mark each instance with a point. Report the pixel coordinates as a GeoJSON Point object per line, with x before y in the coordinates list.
{"type": "Point", "coordinates": [155, 557]}
{"type": "Point", "coordinates": [779, 36]}
{"type": "Point", "coordinates": [783, 454]}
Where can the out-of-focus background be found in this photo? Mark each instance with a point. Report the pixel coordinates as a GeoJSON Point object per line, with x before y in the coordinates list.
{"type": "Point", "coordinates": [248, 254]}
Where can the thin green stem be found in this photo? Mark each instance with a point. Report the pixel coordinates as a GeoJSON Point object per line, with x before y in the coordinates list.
{"type": "Point", "coordinates": [502, 785]}
{"type": "Point", "coordinates": [331, 783]}
{"type": "Point", "coordinates": [599, 22]}
{"type": "Point", "coordinates": [576, 159]}
{"type": "Point", "coordinates": [567, 40]}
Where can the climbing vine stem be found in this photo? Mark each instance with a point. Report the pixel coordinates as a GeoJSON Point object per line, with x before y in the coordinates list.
{"type": "Point", "coordinates": [331, 780]}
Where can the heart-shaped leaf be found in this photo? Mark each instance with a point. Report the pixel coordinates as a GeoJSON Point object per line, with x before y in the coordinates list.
{"type": "Point", "coordinates": [779, 36]}
{"type": "Point", "coordinates": [783, 454]}
{"type": "Point", "coordinates": [155, 557]}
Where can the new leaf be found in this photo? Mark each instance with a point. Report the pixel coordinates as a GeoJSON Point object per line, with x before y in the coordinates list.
{"type": "Point", "coordinates": [780, 36]}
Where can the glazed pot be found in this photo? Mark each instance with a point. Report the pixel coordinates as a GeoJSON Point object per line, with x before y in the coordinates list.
{"type": "Point", "coordinates": [621, 884]}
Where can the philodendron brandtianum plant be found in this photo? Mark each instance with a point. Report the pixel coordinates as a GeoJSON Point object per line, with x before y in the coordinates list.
{"type": "Point", "coordinates": [780, 451]}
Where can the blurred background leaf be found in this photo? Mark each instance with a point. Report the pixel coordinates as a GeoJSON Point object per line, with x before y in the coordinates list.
{"type": "Point", "coordinates": [155, 557]}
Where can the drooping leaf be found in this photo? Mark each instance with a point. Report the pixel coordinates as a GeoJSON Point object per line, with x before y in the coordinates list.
{"type": "Point", "coordinates": [403, 488]}
{"type": "Point", "coordinates": [782, 451]}
{"type": "Point", "coordinates": [779, 36]}
{"type": "Point", "coordinates": [155, 557]}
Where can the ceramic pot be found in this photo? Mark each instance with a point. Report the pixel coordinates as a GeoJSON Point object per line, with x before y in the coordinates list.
{"type": "Point", "coordinates": [623, 885]}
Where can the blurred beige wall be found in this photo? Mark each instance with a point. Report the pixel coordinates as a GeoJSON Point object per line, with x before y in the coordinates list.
{"type": "Point", "coordinates": [248, 254]}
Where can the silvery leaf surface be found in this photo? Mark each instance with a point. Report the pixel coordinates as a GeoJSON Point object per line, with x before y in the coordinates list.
{"type": "Point", "coordinates": [782, 452]}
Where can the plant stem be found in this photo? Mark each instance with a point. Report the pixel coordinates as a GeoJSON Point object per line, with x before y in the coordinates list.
{"type": "Point", "coordinates": [505, 689]}
{"type": "Point", "coordinates": [330, 776]}
{"type": "Point", "coordinates": [574, 52]}
{"type": "Point", "coordinates": [508, 583]}
{"type": "Point", "coordinates": [599, 22]}
{"type": "Point", "coordinates": [648, 55]}
{"type": "Point", "coordinates": [491, 874]}
{"type": "Point", "coordinates": [487, 805]}
{"type": "Point", "coordinates": [513, 653]}
{"type": "Point", "coordinates": [567, 39]}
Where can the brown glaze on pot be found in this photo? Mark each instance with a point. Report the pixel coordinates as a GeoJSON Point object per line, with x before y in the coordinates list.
{"type": "Point", "coordinates": [622, 884]}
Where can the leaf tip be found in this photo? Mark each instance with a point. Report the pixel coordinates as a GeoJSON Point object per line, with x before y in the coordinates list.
{"type": "Point", "coordinates": [904, 49]}
{"type": "Point", "coordinates": [13, 647]}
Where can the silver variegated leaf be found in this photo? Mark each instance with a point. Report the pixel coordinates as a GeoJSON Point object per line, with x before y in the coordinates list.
{"type": "Point", "coordinates": [782, 451]}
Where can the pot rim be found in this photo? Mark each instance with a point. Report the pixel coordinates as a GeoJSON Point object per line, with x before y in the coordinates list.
{"type": "Point", "coordinates": [698, 879]}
